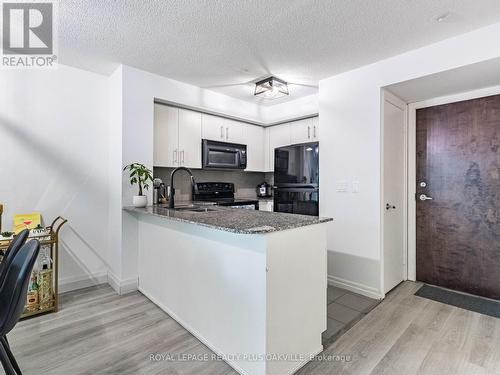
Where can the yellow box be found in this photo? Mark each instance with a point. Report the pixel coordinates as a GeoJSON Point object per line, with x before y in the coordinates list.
{"type": "Point", "coordinates": [23, 221]}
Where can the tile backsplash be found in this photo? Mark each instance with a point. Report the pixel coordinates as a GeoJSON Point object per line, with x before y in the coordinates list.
{"type": "Point", "coordinates": [245, 183]}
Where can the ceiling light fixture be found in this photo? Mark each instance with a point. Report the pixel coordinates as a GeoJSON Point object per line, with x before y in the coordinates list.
{"type": "Point", "coordinates": [271, 88]}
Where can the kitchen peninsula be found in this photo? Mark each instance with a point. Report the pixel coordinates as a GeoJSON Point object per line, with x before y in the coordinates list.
{"type": "Point", "coordinates": [251, 285]}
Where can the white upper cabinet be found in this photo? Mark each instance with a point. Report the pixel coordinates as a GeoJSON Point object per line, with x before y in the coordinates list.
{"type": "Point", "coordinates": [234, 131]}
{"type": "Point", "coordinates": [267, 151]}
{"type": "Point", "coordinates": [279, 136]}
{"type": "Point", "coordinates": [301, 131]}
{"type": "Point", "coordinates": [189, 138]}
{"type": "Point", "coordinates": [166, 136]}
{"type": "Point", "coordinates": [304, 131]}
{"type": "Point", "coordinates": [254, 139]}
{"type": "Point", "coordinates": [178, 134]}
{"type": "Point", "coordinates": [177, 137]}
{"type": "Point", "coordinates": [315, 128]}
{"type": "Point", "coordinates": [221, 129]}
{"type": "Point", "coordinates": [213, 127]}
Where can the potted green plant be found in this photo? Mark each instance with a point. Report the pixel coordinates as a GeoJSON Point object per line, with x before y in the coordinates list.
{"type": "Point", "coordinates": [142, 176]}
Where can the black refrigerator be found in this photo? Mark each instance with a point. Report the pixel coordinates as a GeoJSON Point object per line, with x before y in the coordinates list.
{"type": "Point", "coordinates": [296, 179]}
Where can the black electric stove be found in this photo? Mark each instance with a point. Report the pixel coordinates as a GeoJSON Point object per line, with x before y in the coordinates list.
{"type": "Point", "coordinates": [221, 194]}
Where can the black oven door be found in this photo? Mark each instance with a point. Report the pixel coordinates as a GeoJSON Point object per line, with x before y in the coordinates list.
{"type": "Point", "coordinates": [220, 155]}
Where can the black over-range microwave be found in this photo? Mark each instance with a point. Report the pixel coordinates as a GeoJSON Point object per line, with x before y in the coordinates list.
{"type": "Point", "coordinates": [222, 155]}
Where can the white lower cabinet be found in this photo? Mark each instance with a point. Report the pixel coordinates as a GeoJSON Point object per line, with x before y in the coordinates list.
{"type": "Point", "coordinates": [177, 137]}
{"type": "Point", "coordinates": [266, 205]}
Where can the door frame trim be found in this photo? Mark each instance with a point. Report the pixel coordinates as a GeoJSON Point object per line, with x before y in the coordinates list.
{"type": "Point", "coordinates": [399, 103]}
{"type": "Point", "coordinates": [411, 167]}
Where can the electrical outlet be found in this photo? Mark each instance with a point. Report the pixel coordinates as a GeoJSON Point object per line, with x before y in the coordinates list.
{"type": "Point", "coordinates": [342, 186]}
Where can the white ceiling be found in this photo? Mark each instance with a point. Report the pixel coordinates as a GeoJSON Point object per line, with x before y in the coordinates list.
{"type": "Point", "coordinates": [225, 45]}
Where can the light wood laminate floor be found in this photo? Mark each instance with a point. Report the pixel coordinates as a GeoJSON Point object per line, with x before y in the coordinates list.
{"type": "Point", "coordinates": [99, 332]}
{"type": "Point", "coordinates": [406, 334]}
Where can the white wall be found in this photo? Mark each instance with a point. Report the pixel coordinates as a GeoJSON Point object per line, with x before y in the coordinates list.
{"type": "Point", "coordinates": [349, 106]}
{"type": "Point", "coordinates": [53, 159]}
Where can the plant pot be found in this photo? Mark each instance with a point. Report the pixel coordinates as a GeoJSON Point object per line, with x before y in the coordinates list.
{"type": "Point", "coordinates": [140, 200]}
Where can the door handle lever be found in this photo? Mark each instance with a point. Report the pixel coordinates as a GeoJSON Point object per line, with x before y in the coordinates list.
{"type": "Point", "coordinates": [424, 197]}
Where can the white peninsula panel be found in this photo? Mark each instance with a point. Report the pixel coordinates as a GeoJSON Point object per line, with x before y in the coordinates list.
{"type": "Point", "coordinates": [249, 297]}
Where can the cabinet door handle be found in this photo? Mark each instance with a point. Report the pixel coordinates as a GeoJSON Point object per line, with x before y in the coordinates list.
{"type": "Point", "coordinates": [222, 132]}
{"type": "Point", "coordinates": [175, 156]}
{"type": "Point", "coordinates": [182, 153]}
{"type": "Point", "coordinates": [308, 132]}
{"type": "Point", "coordinates": [227, 133]}
{"type": "Point", "coordinates": [314, 131]}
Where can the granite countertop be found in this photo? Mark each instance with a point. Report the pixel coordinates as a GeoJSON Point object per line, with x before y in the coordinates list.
{"type": "Point", "coordinates": [233, 219]}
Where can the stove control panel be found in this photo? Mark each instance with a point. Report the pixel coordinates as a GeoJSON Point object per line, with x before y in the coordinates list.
{"type": "Point", "coordinates": [215, 187]}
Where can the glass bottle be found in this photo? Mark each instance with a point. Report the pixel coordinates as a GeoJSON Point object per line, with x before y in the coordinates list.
{"type": "Point", "coordinates": [45, 281]}
{"type": "Point", "coordinates": [32, 303]}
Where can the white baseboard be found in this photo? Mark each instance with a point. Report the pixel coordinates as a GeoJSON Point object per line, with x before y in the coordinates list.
{"type": "Point", "coordinates": [305, 362]}
{"type": "Point", "coordinates": [122, 286]}
{"type": "Point", "coordinates": [355, 287]}
{"type": "Point", "coordinates": [68, 284]}
{"type": "Point", "coordinates": [129, 285]}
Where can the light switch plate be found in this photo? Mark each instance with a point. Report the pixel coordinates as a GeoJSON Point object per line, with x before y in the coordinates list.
{"type": "Point", "coordinates": [355, 186]}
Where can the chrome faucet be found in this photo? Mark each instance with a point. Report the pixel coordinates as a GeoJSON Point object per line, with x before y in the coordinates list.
{"type": "Point", "coordinates": [171, 202]}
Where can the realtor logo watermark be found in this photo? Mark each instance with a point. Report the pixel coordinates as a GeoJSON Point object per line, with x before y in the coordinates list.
{"type": "Point", "coordinates": [29, 35]}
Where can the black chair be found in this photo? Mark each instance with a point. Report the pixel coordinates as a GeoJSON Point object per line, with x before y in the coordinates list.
{"type": "Point", "coordinates": [16, 244]}
{"type": "Point", "coordinates": [13, 299]}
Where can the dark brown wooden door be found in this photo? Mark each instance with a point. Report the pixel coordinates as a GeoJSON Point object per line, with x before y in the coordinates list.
{"type": "Point", "coordinates": [458, 231]}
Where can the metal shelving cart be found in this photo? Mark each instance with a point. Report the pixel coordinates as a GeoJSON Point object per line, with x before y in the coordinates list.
{"type": "Point", "coordinates": [49, 244]}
